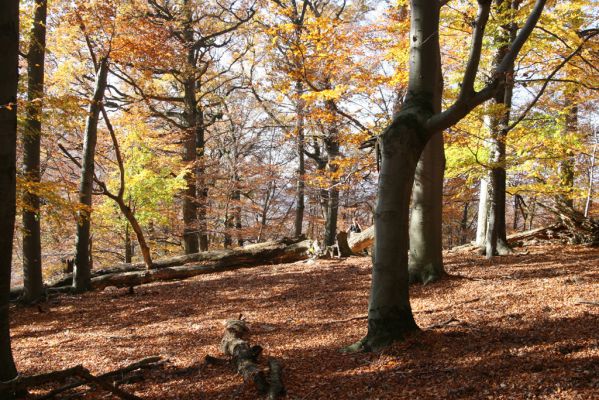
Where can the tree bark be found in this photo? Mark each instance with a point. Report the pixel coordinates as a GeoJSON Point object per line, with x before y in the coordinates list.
{"type": "Point", "coordinates": [32, 249]}
{"type": "Point", "coordinates": [496, 241]}
{"type": "Point", "coordinates": [82, 270]}
{"type": "Point", "coordinates": [483, 212]}
{"type": "Point", "coordinates": [358, 242]}
{"type": "Point", "coordinates": [331, 143]}
{"type": "Point", "coordinates": [9, 75]}
{"type": "Point", "coordinates": [301, 168]}
{"type": "Point", "coordinates": [426, 219]}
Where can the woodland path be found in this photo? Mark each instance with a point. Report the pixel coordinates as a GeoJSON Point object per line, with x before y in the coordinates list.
{"type": "Point", "coordinates": [520, 328]}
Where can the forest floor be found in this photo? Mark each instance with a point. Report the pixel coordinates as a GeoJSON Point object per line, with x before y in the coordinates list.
{"type": "Point", "coordinates": [524, 326]}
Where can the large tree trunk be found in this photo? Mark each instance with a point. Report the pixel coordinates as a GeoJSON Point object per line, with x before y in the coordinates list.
{"type": "Point", "coordinates": [332, 207]}
{"type": "Point", "coordinates": [389, 312]}
{"type": "Point", "coordinates": [9, 75]}
{"type": "Point", "coordinates": [82, 270]}
{"type": "Point", "coordinates": [32, 249]}
{"type": "Point", "coordinates": [426, 220]}
{"type": "Point", "coordinates": [301, 169]}
{"type": "Point", "coordinates": [193, 123]}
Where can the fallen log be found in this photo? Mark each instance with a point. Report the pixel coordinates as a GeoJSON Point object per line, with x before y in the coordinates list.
{"type": "Point", "coordinates": [219, 261]}
{"type": "Point", "coordinates": [358, 242]}
{"type": "Point", "coordinates": [175, 268]}
{"type": "Point", "coordinates": [85, 377]}
{"type": "Point", "coordinates": [234, 344]}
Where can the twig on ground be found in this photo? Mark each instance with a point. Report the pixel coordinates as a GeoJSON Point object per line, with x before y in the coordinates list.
{"type": "Point", "coordinates": [442, 324]}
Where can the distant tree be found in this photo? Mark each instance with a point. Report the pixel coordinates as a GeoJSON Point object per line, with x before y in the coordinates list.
{"type": "Point", "coordinates": [9, 48]}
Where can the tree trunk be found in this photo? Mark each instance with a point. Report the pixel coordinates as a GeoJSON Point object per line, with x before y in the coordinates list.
{"type": "Point", "coordinates": [566, 165]}
{"type": "Point", "coordinates": [301, 169]}
{"type": "Point", "coordinates": [331, 143]}
{"type": "Point", "coordinates": [483, 212]}
{"type": "Point", "coordinates": [496, 241]}
{"type": "Point", "coordinates": [128, 249]}
{"type": "Point", "coordinates": [464, 224]}
{"type": "Point", "coordinates": [32, 249]}
{"type": "Point", "coordinates": [9, 75]}
{"type": "Point", "coordinates": [82, 270]}
{"type": "Point", "coordinates": [389, 312]}
{"type": "Point", "coordinates": [143, 246]}
{"type": "Point", "coordinates": [190, 205]}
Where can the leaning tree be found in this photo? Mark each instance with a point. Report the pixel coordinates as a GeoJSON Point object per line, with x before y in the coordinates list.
{"type": "Point", "coordinates": [401, 145]}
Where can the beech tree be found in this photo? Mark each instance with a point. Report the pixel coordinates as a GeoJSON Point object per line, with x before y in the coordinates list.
{"type": "Point", "coordinates": [32, 250]}
{"type": "Point", "coordinates": [402, 143]}
{"type": "Point", "coordinates": [9, 50]}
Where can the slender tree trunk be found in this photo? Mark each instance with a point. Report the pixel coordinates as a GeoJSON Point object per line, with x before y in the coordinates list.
{"type": "Point", "coordinates": [566, 165]}
{"type": "Point", "coordinates": [190, 205]}
{"type": "Point", "coordinates": [496, 238]}
{"type": "Point", "coordinates": [301, 169]}
{"type": "Point", "coordinates": [143, 246]}
{"type": "Point", "coordinates": [389, 312]}
{"type": "Point", "coordinates": [589, 201]}
{"type": "Point", "coordinates": [128, 249]}
{"type": "Point", "coordinates": [33, 287]}
{"type": "Point", "coordinates": [464, 224]}
{"type": "Point", "coordinates": [483, 211]}
{"type": "Point", "coordinates": [82, 269]}
{"type": "Point", "coordinates": [9, 75]}
{"type": "Point", "coordinates": [332, 205]}
{"type": "Point", "coordinates": [202, 189]}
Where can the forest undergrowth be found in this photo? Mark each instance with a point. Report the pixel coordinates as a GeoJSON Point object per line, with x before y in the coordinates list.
{"type": "Point", "coordinates": [522, 326]}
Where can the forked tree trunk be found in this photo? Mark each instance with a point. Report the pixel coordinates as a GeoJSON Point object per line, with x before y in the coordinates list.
{"type": "Point", "coordinates": [9, 47]}
{"type": "Point", "coordinates": [82, 269]}
{"type": "Point", "coordinates": [426, 219]}
{"type": "Point", "coordinates": [32, 249]}
{"type": "Point", "coordinates": [389, 312]}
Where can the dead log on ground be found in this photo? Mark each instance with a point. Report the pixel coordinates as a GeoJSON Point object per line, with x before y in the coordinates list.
{"type": "Point", "coordinates": [176, 268]}
{"type": "Point", "coordinates": [216, 261]}
{"type": "Point", "coordinates": [358, 242]}
{"type": "Point", "coordinates": [234, 344]}
{"type": "Point", "coordinates": [22, 383]}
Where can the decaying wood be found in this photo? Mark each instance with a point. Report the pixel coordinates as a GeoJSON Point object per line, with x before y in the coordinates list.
{"type": "Point", "coordinates": [235, 345]}
{"type": "Point", "coordinates": [25, 382]}
{"type": "Point", "coordinates": [187, 266]}
{"type": "Point", "coordinates": [517, 239]}
{"type": "Point", "coordinates": [359, 242]}
{"type": "Point", "coordinates": [111, 375]}
{"type": "Point", "coordinates": [275, 380]}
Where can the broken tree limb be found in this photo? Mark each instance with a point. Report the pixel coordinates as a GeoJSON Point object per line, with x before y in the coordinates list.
{"type": "Point", "coordinates": [234, 345]}
{"type": "Point", "coordinates": [359, 242]}
{"type": "Point", "coordinates": [111, 375]}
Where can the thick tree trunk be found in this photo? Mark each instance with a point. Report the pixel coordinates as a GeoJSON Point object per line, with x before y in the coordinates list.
{"type": "Point", "coordinates": [332, 206]}
{"type": "Point", "coordinates": [32, 249]}
{"type": "Point", "coordinates": [426, 219]}
{"type": "Point", "coordinates": [82, 270]}
{"type": "Point", "coordinates": [9, 47]}
{"type": "Point", "coordinates": [389, 312]}
{"type": "Point", "coordinates": [301, 169]}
